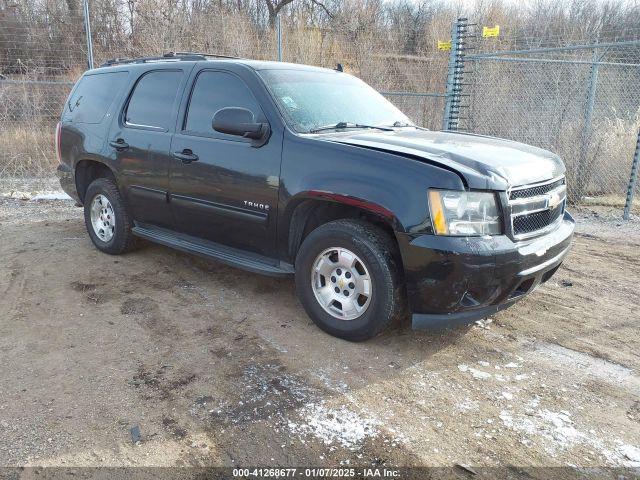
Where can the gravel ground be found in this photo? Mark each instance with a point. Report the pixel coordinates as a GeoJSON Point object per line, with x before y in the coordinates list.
{"type": "Point", "coordinates": [160, 358]}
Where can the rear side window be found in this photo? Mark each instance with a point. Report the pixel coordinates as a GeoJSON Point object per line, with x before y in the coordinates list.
{"type": "Point", "coordinates": [93, 96]}
{"type": "Point", "coordinates": [151, 104]}
{"type": "Point", "coordinates": [213, 91]}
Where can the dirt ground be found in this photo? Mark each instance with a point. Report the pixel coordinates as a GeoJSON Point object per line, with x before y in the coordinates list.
{"type": "Point", "coordinates": [162, 358]}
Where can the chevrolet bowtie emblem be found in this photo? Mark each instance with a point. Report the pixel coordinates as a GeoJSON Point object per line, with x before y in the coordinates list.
{"type": "Point", "coordinates": [554, 200]}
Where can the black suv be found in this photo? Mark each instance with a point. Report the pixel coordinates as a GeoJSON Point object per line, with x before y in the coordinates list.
{"type": "Point", "coordinates": [286, 169]}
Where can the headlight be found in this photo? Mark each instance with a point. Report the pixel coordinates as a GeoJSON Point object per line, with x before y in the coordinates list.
{"type": "Point", "coordinates": [464, 213]}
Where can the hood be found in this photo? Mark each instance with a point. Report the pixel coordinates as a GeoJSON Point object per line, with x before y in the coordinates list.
{"type": "Point", "coordinates": [483, 162]}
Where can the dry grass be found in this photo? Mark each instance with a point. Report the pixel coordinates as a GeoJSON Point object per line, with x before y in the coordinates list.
{"type": "Point", "coordinates": [28, 151]}
{"type": "Point", "coordinates": [611, 153]}
{"type": "Point", "coordinates": [608, 159]}
{"type": "Point", "coordinates": [617, 201]}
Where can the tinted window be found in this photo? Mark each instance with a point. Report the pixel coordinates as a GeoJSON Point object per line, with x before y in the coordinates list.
{"type": "Point", "coordinates": [213, 91]}
{"type": "Point", "coordinates": [93, 96]}
{"type": "Point", "coordinates": [151, 104]}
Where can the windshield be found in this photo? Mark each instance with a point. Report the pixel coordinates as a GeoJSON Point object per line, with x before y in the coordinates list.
{"type": "Point", "coordinates": [312, 100]}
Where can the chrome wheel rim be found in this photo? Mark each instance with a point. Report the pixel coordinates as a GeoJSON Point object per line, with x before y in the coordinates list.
{"type": "Point", "coordinates": [341, 283]}
{"type": "Point", "coordinates": [103, 218]}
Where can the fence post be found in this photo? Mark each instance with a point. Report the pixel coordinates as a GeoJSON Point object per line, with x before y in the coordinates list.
{"type": "Point", "coordinates": [633, 180]}
{"type": "Point", "coordinates": [455, 72]}
{"type": "Point", "coordinates": [279, 32]}
{"type": "Point", "coordinates": [87, 31]}
{"type": "Point", "coordinates": [581, 177]}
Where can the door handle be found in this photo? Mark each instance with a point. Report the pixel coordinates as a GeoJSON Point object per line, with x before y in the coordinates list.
{"type": "Point", "coordinates": [119, 144]}
{"type": "Point", "coordinates": [186, 155]}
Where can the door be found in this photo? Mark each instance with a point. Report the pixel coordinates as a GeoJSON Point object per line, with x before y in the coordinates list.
{"type": "Point", "coordinates": [141, 140]}
{"type": "Point", "coordinates": [221, 187]}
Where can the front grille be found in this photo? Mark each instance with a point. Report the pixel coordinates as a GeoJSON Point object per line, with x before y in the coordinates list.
{"type": "Point", "coordinates": [535, 191]}
{"type": "Point", "coordinates": [535, 208]}
{"type": "Point", "coordinates": [536, 221]}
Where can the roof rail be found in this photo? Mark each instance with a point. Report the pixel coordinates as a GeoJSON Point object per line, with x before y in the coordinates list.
{"type": "Point", "coordinates": [214, 55]}
{"type": "Point", "coordinates": [179, 56]}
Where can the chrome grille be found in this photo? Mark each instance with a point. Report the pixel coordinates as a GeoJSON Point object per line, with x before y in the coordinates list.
{"type": "Point", "coordinates": [536, 209]}
{"type": "Point", "coordinates": [536, 190]}
{"type": "Point", "coordinates": [535, 221]}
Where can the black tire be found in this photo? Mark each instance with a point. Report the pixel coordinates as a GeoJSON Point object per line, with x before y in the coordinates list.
{"type": "Point", "coordinates": [122, 240]}
{"type": "Point", "coordinates": [379, 253]}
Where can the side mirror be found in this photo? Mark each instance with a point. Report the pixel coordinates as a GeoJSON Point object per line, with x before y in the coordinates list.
{"type": "Point", "coordinates": [240, 121]}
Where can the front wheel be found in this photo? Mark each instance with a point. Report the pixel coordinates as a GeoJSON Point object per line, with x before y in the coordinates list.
{"type": "Point", "coordinates": [348, 278]}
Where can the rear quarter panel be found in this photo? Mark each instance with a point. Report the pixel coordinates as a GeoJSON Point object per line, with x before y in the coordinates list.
{"type": "Point", "coordinates": [87, 141]}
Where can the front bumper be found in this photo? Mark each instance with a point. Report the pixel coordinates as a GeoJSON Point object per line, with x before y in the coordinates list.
{"type": "Point", "coordinates": [67, 181]}
{"type": "Point", "coordinates": [457, 280]}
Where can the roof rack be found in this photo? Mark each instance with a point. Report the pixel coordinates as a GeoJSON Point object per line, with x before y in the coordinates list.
{"type": "Point", "coordinates": [170, 56]}
{"type": "Point", "coordinates": [214, 55]}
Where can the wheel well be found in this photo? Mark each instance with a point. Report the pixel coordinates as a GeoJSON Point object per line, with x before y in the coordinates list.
{"type": "Point", "coordinates": [310, 214]}
{"type": "Point", "coordinates": [87, 171]}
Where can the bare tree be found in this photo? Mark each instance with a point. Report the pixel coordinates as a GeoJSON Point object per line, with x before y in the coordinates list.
{"type": "Point", "coordinates": [274, 7]}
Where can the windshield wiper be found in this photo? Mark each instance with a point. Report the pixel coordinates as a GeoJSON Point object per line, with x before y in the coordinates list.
{"type": "Point", "coordinates": [398, 124]}
{"type": "Point", "coordinates": [343, 125]}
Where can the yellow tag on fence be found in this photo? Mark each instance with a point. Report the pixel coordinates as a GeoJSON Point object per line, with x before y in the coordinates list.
{"type": "Point", "coordinates": [491, 31]}
{"type": "Point", "coordinates": [444, 45]}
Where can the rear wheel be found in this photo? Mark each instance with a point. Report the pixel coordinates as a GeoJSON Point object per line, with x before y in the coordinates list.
{"type": "Point", "coordinates": [348, 279]}
{"type": "Point", "coordinates": [107, 219]}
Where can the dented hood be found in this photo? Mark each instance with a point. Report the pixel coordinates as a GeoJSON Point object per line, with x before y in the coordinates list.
{"type": "Point", "coordinates": [483, 162]}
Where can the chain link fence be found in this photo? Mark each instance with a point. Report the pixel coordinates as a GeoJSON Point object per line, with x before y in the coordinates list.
{"type": "Point", "coordinates": [581, 101]}
{"type": "Point", "coordinates": [41, 53]}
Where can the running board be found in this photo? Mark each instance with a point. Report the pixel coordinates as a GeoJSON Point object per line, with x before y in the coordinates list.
{"type": "Point", "coordinates": [228, 255]}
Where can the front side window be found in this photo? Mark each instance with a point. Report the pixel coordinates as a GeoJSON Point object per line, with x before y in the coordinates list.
{"type": "Point", "coordinates": [93, 96]}
{"type": "Point", "coordinates": [151, 104]}
{"type": "Point", "coordinates": [314, 99]}
{"type": "Point", "coordinates": [212, 92]}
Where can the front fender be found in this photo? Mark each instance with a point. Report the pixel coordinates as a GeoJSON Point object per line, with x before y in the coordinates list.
{"type": "Point", "coordinates": [392, 183]}
{"type": "Point", "coordinates": [342, 199]}
{"type": "Point", "coordinates": [391, 186]}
